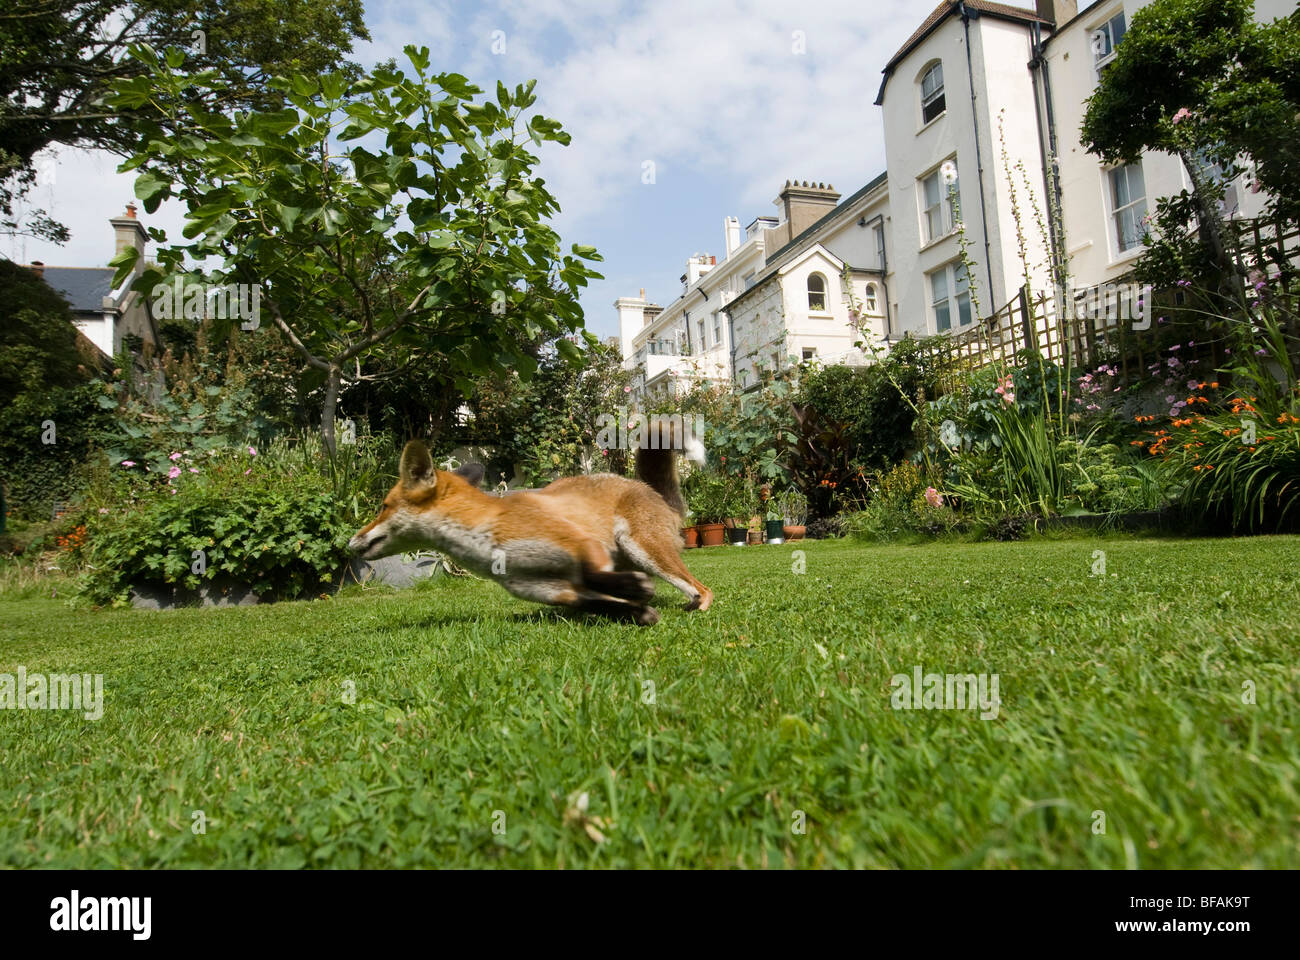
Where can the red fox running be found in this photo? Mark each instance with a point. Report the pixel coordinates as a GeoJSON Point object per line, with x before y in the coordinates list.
{"type": "Point", "coordinates": [592, 543]}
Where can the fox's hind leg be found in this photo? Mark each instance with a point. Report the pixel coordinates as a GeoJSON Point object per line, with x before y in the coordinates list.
{"type": "Point", "coordinates": [654, 550]}
{"type": "Point", "coordinates": [562, 593]}
{"type": "Point", "coordinates": [599, 575]}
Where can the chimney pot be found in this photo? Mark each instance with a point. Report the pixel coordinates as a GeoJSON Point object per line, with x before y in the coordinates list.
{"type": "Point", "coordinates": [38, 268]}
{"type": "Point", "coordinates": [130, 210]}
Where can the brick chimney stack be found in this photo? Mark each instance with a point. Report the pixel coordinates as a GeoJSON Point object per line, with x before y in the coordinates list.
{"type": "Point", "coordinates": [129, 232]}
{"type": "Point", "coordinates": [1057, 12]}
{"type": "Point", "coordinates": [802, 204]}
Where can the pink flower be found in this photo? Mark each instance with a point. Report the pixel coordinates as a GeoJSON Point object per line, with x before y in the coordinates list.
{"type": "Point", "coordinates": [128, 463]}
{"type": "Point", "coordinates": [1181, 115]}
{"type": "Point", "coordinates": [194, 469]}
{"type": "Point", "coordinates": [248, 471]}
{"type": "Point", "coordinates": [933, 497]}
{"type": "Point", "coordinates": [174, 457]}
{"type": "Point", "coordinates": [252, 451]}
{"type": "Point", "coordinates": [173, 473]}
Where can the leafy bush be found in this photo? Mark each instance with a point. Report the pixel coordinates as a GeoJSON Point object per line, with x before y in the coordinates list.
{"type": "Point", "coordinates": [282, 533]}
{"type": "Point", "coordinates": [35, 474]}
{"type": "Point", "coordinates": [1237, 457]}
{"type": "Point", "coordinates": [707, 495]}
{"type": "Point", "coordinates": [548, 426]}
{"type": "Point", "coordinates": [903, 504]}
{"type": "Point", "coordinates": [825, 528]}
{"type": "Point", "coordinates": [48, 415]}
{"type": "Point", "coordinates": [821, 461]}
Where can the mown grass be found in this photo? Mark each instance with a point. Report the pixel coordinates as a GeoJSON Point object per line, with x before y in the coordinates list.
{"type": "Point", "coordinates": [1121, 694]}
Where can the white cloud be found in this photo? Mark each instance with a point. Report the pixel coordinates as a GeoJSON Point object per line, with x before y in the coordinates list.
{"type": "Point", "coordinates": [699, 89]}
{"type": "Point", "coordinates": [711, 88]}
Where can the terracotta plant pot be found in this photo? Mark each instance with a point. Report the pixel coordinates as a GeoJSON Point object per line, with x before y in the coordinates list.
{"type": "Point", "coordinates": [755, 538]}
{"type": "Point", "coordinates": [794, 531]}
{"type": "Point", "coordinates": [692, 536]}
{"type": "Point", "coordinates": [711, 534]}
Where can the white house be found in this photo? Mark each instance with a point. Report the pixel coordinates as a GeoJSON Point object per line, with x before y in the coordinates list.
{"type": "Point", "coordinates": [982, 110]}
{"type": "Point", "coordinates": [1101, 206]}
{"type": "Point", "coordinates": [801, 306]}
{"type": "Point", "coordinates": [106, 315]}
{"type": "Point", "coordinates": [689, 339]}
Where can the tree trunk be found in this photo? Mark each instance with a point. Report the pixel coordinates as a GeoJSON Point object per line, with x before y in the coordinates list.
{"type": "Point", "coordinates": [1212, 229]}
{"type": "Point", "coordinates": [332, 380]}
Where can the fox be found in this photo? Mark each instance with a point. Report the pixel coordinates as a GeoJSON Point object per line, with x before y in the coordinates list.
{"type": "Point", "coordinates": [591, 543]}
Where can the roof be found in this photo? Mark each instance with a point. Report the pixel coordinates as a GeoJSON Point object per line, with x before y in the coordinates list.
{"type": "Point", "coordinates": [83, 287]}
{"type": "Point", "coordinates": [999, 11]}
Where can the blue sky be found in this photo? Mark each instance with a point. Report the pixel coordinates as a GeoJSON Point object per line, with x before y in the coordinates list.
{"type": "Point", "coordinates": [728, 99]}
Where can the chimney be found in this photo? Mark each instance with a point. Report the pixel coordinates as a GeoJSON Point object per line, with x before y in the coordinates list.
{"type": "Point", "coordinates": [129, 232]}
{"type": "Point", "coordinates": [1057, 12]}
{"type": "Point", "coordinates": [38, 268]}
{"type": "Point", "coordinates": [631, 318]}
{"type": "Point", "coordinates": [731, 229]}
{"type": "Point", "coordinates": [802, 205]}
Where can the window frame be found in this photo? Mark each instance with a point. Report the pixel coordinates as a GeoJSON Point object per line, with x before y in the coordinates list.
{"type": "Point", "coordinates": [1102, 60]}
{"type": "Point", "coordinates": [949, 197]}
{"type": "Point", "coordinates": [824, 293]}
{"type": "Point", "coordinates": [1117, 210]}
{"type": "Point", "coordinates": [939, 94]}
{"type": "Point", "coordinates": [956, 298]}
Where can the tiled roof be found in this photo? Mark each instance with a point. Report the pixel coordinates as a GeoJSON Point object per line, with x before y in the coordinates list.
{"type": "Point", "coordinates": [83, 287]}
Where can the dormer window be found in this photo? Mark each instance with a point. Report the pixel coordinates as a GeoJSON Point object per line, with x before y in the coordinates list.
{"type": "Point", "coordinates": [933, 102]}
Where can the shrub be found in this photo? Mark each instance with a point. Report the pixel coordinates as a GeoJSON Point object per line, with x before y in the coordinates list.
{"type": "Point", "coordinates": [1206, 451]}
{"type": "Point", "coordinates": [282, 531]}
{"type": "Point", "coordinates": [903, 505]}
{"type": "Point", "coordinates": [707, 496]}
{"type": "Point", "coordinates": [1013, 526]}
{"type": "Point", "coordinates": [825, 528]}
{"type": "Point", "coordinates": [34, 473]}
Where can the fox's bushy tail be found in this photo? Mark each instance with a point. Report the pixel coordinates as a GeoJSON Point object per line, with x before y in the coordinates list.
{"type": "Point", "coordinates": [658, 468]}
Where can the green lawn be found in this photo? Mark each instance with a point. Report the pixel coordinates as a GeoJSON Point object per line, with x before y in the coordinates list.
{"type": "Point", "coordinates": [1120, 694]}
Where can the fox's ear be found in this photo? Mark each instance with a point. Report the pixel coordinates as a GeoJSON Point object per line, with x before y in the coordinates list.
{"type": "Point", "coordinates": [417, 465]}
{"type": "Point", "coordinates": [473, 472]}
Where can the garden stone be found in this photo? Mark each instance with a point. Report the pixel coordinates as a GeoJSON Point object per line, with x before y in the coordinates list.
{"type": "Point", "coordinates": [398, 571]}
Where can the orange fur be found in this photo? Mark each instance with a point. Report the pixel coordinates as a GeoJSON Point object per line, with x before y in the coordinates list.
{"type": "Point", "coordinates": [588, 542]}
